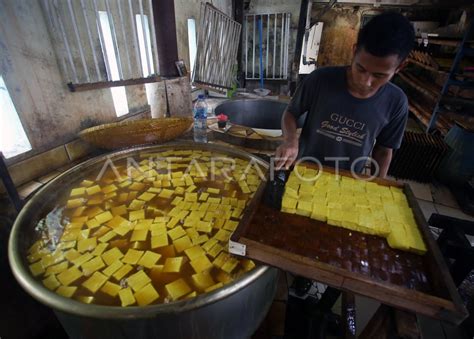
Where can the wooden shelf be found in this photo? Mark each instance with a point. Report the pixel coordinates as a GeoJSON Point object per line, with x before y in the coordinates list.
{"type": "Point", "coordinates": [429, 68]}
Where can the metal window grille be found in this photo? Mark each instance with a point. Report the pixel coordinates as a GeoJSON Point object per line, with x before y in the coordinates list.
{"type": "Point", "coordinates": [75, 27]}
{"type": "Point", "coordinates": [218, 42]}
{"type": "Point", "coordinates": [274, 40]}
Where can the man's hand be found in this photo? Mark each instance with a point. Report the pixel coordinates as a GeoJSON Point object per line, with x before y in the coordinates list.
{"type": "Point", "coordinates": [286, 154]}
{"type": "Point", "coordinates": [383, 156]}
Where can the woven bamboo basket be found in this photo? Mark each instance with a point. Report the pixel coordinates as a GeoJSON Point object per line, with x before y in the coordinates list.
{"type": "Point", "coordinates": [137, 132]}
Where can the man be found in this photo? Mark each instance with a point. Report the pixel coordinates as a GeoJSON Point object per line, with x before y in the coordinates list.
{"type": "Point", "coordinates": [353, 111]}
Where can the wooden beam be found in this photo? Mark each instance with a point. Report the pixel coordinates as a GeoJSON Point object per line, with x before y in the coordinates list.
{"type": "Point", "coordinates": [107, 84]}
{"type": "Point", "coordinates": [166, 40]}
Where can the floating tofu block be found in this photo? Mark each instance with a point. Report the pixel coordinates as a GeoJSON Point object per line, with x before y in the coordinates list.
{"type": "Point", "coordinates": [177, 289]}
{"type": "Point", "coordinates": [173, 264]}
{"type": "Point", "coordinates": [51, 282]}
{"type": "Point", "coordinates": [173, 222]}
{"type": "Point", "coordinates": [104, 217]}
{"type": "Point", "coordinates": [222, 235]}
{"type": "Point", "coordinates": [213, 190]}
{"type": "Point", "coordinates": [58, 268]}
{"type": "Point", "coordinates": [146, 196]}
{"type": "Point", "coordinates": [111, 269]}
{"type": "Point", "coordinates": [70, 275]}
{"type": "Point", "coordinates": [176, 233]}
{"type": "Point", "coordinates": [139, 235]}
{"type": "Point", "coordinates": [182, 244]}
{"type": "Point", "coordinates": [146, 295]}
{"type": "Point", "coordinates": [149, 259]}
{"type": "Point", "coordinates": [93, 190]}
{"type": "Point", "coordinates": [166, 193]}
{"type": "Point", "coordinates": [136, 205]}
{"type": "Point", "coordinates": [71, 255]}
{"type": "Point", "coordinates": [95, 282]}
{"type": "Point", "coordinates": [230, 265]}
{"type": "Point", "coordinates": [112, 256]}
{"type": "Point", "coordinates": [203, 196]}
{"type": "Point", "coordinates": [92, 265]}
{"type": "Point", "coordinates": [132, 256]}
{"type": "Point", "coordinates": [202, 280]}
{"type": "Point", "coordinates": [192, 233]}
{"type": "Point", "coordinates": [122, 272]}
{"type": "Point", "coordinates": [213, 287]}
{"type": "Point", "coordinates": [110, 289]}
{"type": "Point", "coordinates": [82, 259]}
{"type": "Point", "coordinates": [66, 291]}
{"type": "Point", "coordinates": [200, 239]}
{"type": "Point", "coordinates": [78, 191]}
{"type": "Point", "coordinates": [231, 225]}
{"type": "Point", "coordinates": [136, 215]}
{"type": "Point", "coordinates": [75, 203]}
{"type": "Point", "coordinates": [107, 237]}
{"type": "Point", "coordinates": [137, 186]}
{"type": "Point", "coordinates": [93, 223]}
{"type": "Point", "coordinates": [160, 240]}
{"type": "Point", "coordinates": [138, 280]}
{"type": "Point", "coordinates": [201, 263]}
{"type": "Point", "coordinates": [215, 250]}
{"type": "Point", "coordinates": [86, 244]}
{"type": "Point", "coordinates": [204, 226]}
{"type": "Point", "coordinates": [209, 244]}
{"type": "Point", "coordinates": [194, 252]}
{"type": "Point", "coordinates": [118, 221]}
{"type": "Point", "coordinates": [126, 297]}
{"type": "Point", "coordinates": [247, 264]}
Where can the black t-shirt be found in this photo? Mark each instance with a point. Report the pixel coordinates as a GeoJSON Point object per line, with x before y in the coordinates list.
{"type": "Point", "coordinates": [341, 125]}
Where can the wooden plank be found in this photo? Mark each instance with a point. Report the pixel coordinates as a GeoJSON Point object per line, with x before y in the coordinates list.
{"type": "Point", "coordinates": [179, 97]}
{"type": "Point", "coordinates": [108, 84]}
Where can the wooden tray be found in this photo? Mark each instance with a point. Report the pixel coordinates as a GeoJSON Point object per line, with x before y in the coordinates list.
{"type": "Point", "coordinates": [348, 260]}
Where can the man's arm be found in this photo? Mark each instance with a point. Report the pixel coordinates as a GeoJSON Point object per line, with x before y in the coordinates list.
{"type": "Point", "coordinates": [383, 157]}
{"type": "Point", "coordinates": [288, 150]}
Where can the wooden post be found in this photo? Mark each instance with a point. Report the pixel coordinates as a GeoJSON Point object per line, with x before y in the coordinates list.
{"type": "Point", "coordinates": [9, 185]}
{"type": "Point", "coordinates": [165, 28]}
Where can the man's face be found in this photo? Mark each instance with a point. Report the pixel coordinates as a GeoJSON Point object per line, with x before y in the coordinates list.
{"type": "Point", "coordinates": [368, 72]}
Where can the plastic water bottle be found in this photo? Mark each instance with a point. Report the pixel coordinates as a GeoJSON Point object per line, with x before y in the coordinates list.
{"type": "Point", "coordinates": [200, 119]}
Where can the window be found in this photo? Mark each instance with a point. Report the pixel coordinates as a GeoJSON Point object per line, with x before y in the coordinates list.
{"type": "Point", "coordinates": [144, 43]}
{"type": "Point", "coordinates": [13, 140]}
{"type": "Point", "coordinates": [119, 95]}
{"type": "Point", "coordinates": [192, 44]}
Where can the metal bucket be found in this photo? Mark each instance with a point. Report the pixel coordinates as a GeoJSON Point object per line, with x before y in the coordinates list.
{"type": "Point", "coordinates": [233, 311]}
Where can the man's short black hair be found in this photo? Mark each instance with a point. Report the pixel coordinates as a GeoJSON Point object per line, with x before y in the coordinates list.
{"type": "Point", "coordinates": [389, 33]}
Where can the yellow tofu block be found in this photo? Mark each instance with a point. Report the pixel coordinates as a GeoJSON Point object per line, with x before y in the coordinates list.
{"type": "Point", "coordinates": [177, 289]}
{"type": "Point", "coordinates": [100, 248]}
{"type": "Point", "coordinates": [78, 191]}
{"type": "Point", "coordinates": [202, 280]}
{"type": "Point", "coordinates": [86, 183]}
{"type": "Point", "coordinates": [304, 208]}
{"type": "Point", "coordinates": [209, 244]}
{"type": "Point", "coordinates": [334, 217]}
{"type": "Point", "coordinates": [138, 280]}
{"type": "Point", "coordinates": [149, 259]}
{"type": "Point", "coordinates": [192, 233]}
{"type": "Point", "coordinates": [122, 272]}
{"type": "Point", "coordinates": [118, 221]}
{"type": "Point", "coordinates": [58, 268]}
{"type": "Point", "coordinates": [173, 222]}
{"type": "Point", "coordinates": [132, 256]}
{"type": "Point", "coordinates": [112, 256]}
{"type": "Point", "coordinates": [95, 282]}
{"type": "Point", "coordinates": [247, 264]}
{"type": "Point", "coordinates": [86, 244]}
{"type": "Point", "coordinates": [213, 190]}
{"type": "Point", "coordinates": [92, 265]}
{"type": "Point", "coordinates": [139, 235]}
{"type": "Point", "coordinates": [71, 255]}
{"type": "Point", "coordinates": [288, 203]}
{"type": "Point", "coordinates": [75, 203]}
{"type": "Point", "coordinates": [146, 196]}
{"type": "Point", "coordinates": [104, 217]}
{"type": "Point", "coordinates": [200, 239]}
{"type": "Point", "coordinates": [182, 244]}
{"type": "Point", "coordinates": [231, 225]}
{"type": "Point", "coordinates": [194, 252]}
{"type": "Point", "coordinates": [203, 196]}
{"type": "Point", "coordinates": [230, 265]}
{"type": "Point", "coordinates": [214, 200]}
{"type": "Point", "coordinates": [126, 297]}
{"type": "Point", "coordinates": [70, 275]}
{"type": "Point", "coordinates": [166, 193]}
{"type": "Point", "coordinates": [107, 237]}
{"type": "Point", "coordinates": [70, 234]}
{"type": "Point", "coordinates": [397, 237]}
{"type": "Point", "coordinates": [136, 205]}
{"type": "Point", "coordinates": [111, 269]}
{"type": "Point", "coordinates": [82, 259]}
{"type": "Point", "coordinates": [215, 250]}
{"type": "Point", "coordinates": [176, 233]}
{"type": "Point", "coordinates": [214, 287]}
{"type": "Point", "coordinates": [222, 235]}
{"type": "Point", "coordinates": [143, 224]}
{"type": "Point", "coordinates": [146, 295]}
{"type": "Point", "coordinates": [136, 215]}
{"type": "Point", "coordinates": [201, 263]}
{"type": "Point", "coordinates": [173, 264]}
{"type": "Point", "coordinates": [91, 212]}
{"type": "Point", "coordinates": [66, 291]}
{"type": "Point", "coordinates": [122, 230]}
{"type": "Point", "coordinates": [93, 190]}
{"type": "Point", "coordinates": [93, 223]}
{"type": "Point", "coordinates": [136, 186]}
{"type": "Point", "coordinates": [204, 226]}
{"type": "Point", "coordinates": [110, 289]}
{"type": "Point", "coordinates": [51, 282]}
{"type": "Point", "coordinates": [160, 240]}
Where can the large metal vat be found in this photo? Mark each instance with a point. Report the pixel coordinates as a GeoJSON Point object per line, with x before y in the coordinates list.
{"type": "Point", "coordinates": [233, 311]}
{"type": "Point", "coordinates": [258, 113]}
